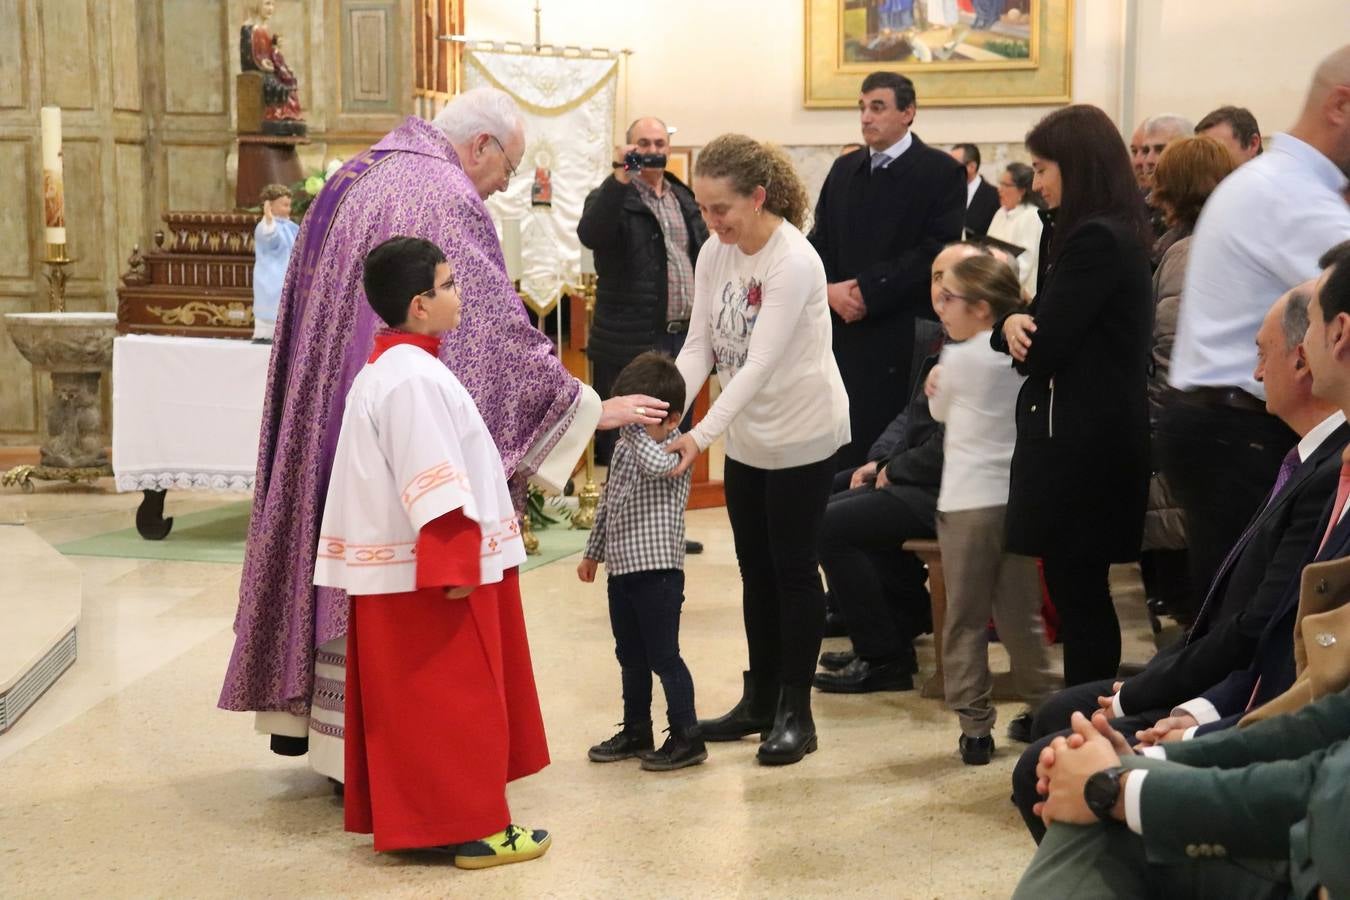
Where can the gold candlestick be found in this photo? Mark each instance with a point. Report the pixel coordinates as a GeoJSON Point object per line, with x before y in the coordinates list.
{"type": "Point", "coordinates": [588, 498]}
{"type": "Point", "coordinates": [57, 275]}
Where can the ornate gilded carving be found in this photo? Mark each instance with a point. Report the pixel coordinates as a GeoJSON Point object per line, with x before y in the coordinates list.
{"type": "Point", "coordinates": [232, 314]}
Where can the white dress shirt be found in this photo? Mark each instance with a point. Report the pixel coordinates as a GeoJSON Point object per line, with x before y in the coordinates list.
{"type": "Point", "coordinates": [972, 186]}
{"type": "Point", "coordinates": [894, 150]}
{"type": "Point", "coordinates": [1259, 234]}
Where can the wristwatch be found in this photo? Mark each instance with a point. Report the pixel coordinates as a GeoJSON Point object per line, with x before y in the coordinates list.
{"type": "Point", "coordinates": [1102, 790]}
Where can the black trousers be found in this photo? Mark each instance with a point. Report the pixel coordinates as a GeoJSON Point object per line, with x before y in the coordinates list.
{"type": "Point", "coordinates": [878, 587]}
{"type": "Point", "coordinates": [1088, 626]}
{"type": "Point", "coordinates": [603, 374]}
{"type": "Point", "coordinates": [1220, 463]}
{"type": "Point", "coordinates": [1052, 720]}
{"type": "Point", "coordinates": [775, 522]}
{"type": "Point", "coordinates": [644, 612]}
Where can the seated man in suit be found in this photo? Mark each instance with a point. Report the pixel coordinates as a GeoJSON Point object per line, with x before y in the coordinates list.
{"type": "Point", "coordinates": [1256, 577]}
{"type": "Point", "coordinates": [1254, 812]}
{"type": "Point", "coordinates": [877, 586]}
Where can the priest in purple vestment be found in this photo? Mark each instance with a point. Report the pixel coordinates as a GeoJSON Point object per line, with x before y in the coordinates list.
{"type": "Point", "coordinates": [427, 180]}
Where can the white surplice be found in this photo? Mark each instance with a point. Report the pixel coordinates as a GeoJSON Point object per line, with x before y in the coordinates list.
{"type": "Point", "coordinates": [413, 448]}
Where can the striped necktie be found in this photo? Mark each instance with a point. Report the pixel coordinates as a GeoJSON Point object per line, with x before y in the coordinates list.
{"type": "Point", "coordinates": [879, 161]}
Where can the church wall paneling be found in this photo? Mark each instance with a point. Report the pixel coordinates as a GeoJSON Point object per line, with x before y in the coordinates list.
{"type": "Point", "coordinates": [67, 32]}
{"type": "Point", "coordinates": [14, 58]}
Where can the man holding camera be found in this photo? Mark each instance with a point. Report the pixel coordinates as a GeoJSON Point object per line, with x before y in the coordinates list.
{"type": "Point", "coordinates": [646, 231]}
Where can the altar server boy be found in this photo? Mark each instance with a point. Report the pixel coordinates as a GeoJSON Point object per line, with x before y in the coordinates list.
{"type": "Point", "coordinates": [419, 530]}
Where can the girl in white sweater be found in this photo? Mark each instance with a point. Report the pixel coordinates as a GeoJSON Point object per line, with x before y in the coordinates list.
{"type": "Point", "coordinates": [761, 319]}
{"type": "Point", "coordinates": [974, 390]}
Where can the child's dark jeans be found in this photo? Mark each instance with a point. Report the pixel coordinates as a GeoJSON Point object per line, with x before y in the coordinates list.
{"type": "Point", "coordinates": [644, 611]}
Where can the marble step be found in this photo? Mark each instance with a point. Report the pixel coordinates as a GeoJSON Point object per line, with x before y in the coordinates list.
{"type": "Point", "coordinates": [40, 598]}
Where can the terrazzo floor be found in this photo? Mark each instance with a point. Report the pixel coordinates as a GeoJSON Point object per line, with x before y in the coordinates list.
{"type": "Point", "coordinates": [125, 780]}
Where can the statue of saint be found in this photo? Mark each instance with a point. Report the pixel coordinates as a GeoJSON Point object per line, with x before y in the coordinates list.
{"type": "Point", "coordinates": [260, 51]}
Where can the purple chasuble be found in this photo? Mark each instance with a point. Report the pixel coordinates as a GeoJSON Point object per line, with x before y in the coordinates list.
{"type": "Point", "coordinates": [410, 183]}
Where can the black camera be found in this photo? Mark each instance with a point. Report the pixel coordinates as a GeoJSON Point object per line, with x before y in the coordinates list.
{"type": "Point", "coordinates": [633, 161]}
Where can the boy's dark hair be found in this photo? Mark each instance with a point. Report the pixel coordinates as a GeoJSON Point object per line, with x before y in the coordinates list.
{"type": "Point", "coordinates": [1334, 296]}
{"type": "Point", "coordinates": [395, 272]}
{"type": "Point", "coordinates": [655, 375]}
{"type": "Point", "coordinates": [901, 87]}
{"type": "Point", "coordinates": [1337, 254]}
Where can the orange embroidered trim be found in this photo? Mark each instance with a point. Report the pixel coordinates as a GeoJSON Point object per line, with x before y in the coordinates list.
{"type": "Point", "coordinates": [428, 480]}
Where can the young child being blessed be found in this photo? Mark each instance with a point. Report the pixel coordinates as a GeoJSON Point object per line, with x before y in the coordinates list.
{"type": "Point", "coordinates": [273, 238]}
{"type": "Point", "coordinates": [974, 391]}
{"type": "Point", "coordinates": [419, 530]}
{"type": "Point", "coordinates": [639, 536]}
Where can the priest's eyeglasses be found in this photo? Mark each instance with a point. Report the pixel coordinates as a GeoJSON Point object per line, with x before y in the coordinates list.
{"type": "Point", "coordinates": [510, 169]}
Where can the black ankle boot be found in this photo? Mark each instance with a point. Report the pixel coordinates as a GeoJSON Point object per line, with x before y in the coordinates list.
{"type": "Point", "coordinates": [794, 731]}
{"type": "Point", "coordinates": [752, 715]}
{"type": "Point", "coordinates": [683, 748]}
{"type": "Point", "coordinates": [634, 740]}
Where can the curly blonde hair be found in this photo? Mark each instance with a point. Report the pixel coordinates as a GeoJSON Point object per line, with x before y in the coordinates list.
{"type": "Point", "coordinates": [750, 164]}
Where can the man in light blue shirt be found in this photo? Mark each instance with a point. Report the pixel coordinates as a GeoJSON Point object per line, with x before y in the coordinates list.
{"type": "Point", "coordinates": [1260, 234]}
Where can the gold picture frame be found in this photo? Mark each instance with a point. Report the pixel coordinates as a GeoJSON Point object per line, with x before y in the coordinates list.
{"type": "Point", "coordinates": [1023, 59]}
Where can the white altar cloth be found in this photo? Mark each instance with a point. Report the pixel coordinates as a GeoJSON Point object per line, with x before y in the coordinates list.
{"type": "Point", "coordinates": [186, 412]}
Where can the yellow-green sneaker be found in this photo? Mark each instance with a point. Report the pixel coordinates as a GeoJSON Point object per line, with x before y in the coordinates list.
{"type": "Point", "coordinates": [510, 845]}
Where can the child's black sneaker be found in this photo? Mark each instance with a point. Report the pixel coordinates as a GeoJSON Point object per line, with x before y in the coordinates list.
{"type": "Point", "coordinates": [683, 748]}
{"type": "Point", "coordinates": [976, 751]}
{"type": "Point", "coordinates": [633, 740]}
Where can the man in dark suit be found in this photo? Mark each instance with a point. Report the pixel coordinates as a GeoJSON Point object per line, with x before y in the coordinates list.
{"type": "Point", "coordinates": [884, 213]}
{"type": "Point", "coordinates": [1256, 578]}
{"type": "Point", "coordinates": [1260, 812]}
{"type": "Point", "coordinates": [981, 196]}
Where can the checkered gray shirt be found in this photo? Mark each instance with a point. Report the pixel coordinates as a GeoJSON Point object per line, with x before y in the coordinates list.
{"type": "Point", "coordinates": [639, 526]}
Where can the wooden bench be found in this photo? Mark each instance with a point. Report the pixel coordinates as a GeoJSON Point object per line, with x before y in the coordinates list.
{"type": "Point", "coordinates": [931, 556]}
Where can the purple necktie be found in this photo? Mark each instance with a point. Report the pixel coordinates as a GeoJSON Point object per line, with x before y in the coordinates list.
{"type": "Point", "coordinates": [1287, 466]}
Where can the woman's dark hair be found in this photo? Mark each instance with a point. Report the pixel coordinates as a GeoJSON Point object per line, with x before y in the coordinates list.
{"type": "Point", "coordinates": [655, 375]}
{"type": "Point", "coordinates": [1096, 179]}
{"type": "Point", "coordinates": [1023, 176]}
{"type": "Point", "coordinates": [395, 272]}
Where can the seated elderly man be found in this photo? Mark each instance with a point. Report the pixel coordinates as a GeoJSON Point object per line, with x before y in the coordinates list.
{"type": "Point", "coordinates": [1246, 658]}
{"type": "Point", "coordinates": [1261, 812]}
{"type": "Point", "coordinates": [879, 588]}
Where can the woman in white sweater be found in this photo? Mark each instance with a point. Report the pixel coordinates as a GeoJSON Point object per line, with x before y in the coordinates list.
{"type": "Point", "coordinates": [761, 319]}
{"type": "Point", "coordinates": [1018, 221]}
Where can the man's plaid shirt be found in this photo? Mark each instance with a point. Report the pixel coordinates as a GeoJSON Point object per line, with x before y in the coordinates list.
{"type": "Point", "coordinates": [679, 270]}
{"type": "Point", "coordinates": [639, 526]}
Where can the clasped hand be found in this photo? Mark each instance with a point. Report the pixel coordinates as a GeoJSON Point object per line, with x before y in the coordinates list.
{"type": "Point", "coordinates": [1066, 764]}
{"type": "Point", "coordinates": [845, 298]}
{"type": "Point", "coordinates": [1017, 331]}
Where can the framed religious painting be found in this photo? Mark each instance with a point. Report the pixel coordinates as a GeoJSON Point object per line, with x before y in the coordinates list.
{"type": "Point", "coordinates": [958, 52]}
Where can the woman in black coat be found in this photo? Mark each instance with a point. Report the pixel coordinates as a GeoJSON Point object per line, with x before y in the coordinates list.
{"type": "Point", "coordinates": [1080, 468]}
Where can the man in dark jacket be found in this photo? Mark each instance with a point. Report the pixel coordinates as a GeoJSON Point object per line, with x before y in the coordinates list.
{"type": "Point", "coordinates": [981, 196]}
{"type": "Point", "coordinates": [884, 213]}
{"type": "Point", "coordinates": [646, 231]}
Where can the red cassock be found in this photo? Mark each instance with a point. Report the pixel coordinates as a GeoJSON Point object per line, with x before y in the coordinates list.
{"type": "Point", "coordinates": [441, 704]}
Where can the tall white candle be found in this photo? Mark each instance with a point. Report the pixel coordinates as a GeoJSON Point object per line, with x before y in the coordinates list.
{"type": "Point", "coordinates": [587, 260]}
{"type": "Point", "coordinates": [511, 248]}
{"type": "Point", "coordinates": [53, 186]}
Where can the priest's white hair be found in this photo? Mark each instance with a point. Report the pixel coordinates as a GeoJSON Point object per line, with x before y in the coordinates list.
{"type": "Point", "coordinates": [483, 110]}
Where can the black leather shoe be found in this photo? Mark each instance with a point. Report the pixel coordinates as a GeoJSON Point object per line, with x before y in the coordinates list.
{"type": "Point", "coordinates": [976, 751]}
{"type": "Point", "coordinates": [634, 740]}
{"type": "Point", "coordinates": [1019, 729]}
{"type": "Point", "coordinates": [834, 660]}
{"type": "Point", "coordinates": [752, 715]}
{"type": "Point", "coordinates": [861, 677]}
{"type": "Point", "coordinates": [683, 748]}
{"type": "Point", "coordinates": [693, 547]}
{"type": "Point", "coordinates": [794, 731]}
